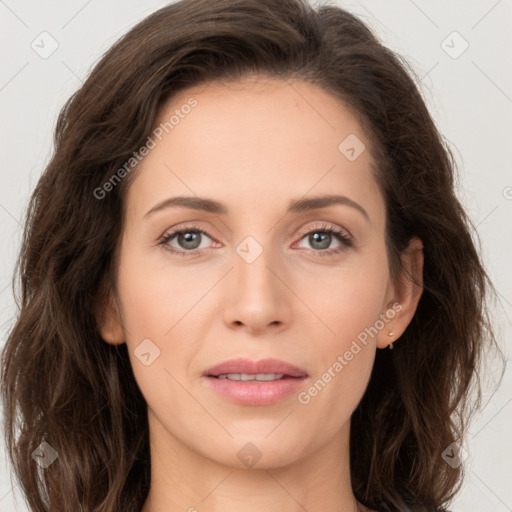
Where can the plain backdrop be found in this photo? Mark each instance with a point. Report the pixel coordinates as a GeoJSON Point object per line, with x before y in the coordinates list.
{"type": "Point", "coordinates": [461, 52]}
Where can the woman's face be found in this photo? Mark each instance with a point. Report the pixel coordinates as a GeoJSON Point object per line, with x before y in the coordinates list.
{"type": "Point", "coordinates": [264, 281]}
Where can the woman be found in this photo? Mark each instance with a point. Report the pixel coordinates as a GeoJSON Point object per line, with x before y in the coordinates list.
{"type": "Point", "coordinates": [247, 282]}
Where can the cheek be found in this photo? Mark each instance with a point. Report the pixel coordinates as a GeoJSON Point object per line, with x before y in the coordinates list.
{"type": "Point", "coordinates": [343, 366]}
{"type": "Point", "coordinates": [348, 299]}
{"type": "Point", "coordinates": [350, 307]}
{"type": "Point", "coordinates": [155, 297]}
{"type": "Point", "coordinates": [160, 308]}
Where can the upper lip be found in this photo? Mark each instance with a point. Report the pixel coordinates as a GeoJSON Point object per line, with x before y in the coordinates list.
{"type": "Point", "coordinates": [255, 367]}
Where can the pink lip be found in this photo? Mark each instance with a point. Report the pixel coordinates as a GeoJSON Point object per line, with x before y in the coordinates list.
{"type": "Point", "coordinates": [254, 367]}
{"type": "Point", "coordinates": [252, 392]}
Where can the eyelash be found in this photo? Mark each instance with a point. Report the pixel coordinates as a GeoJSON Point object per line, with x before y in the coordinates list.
{"type": "Point", "coordinates": [346, 241]}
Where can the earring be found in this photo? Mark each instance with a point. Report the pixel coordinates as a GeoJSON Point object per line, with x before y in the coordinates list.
{"type": "Point", "coordinates": [391, 333]}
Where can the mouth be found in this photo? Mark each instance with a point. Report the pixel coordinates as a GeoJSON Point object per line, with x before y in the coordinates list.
{"type": "Point", "coordinates": [246, 369]}
{"type": "Point", "coordinates": [248, 382]}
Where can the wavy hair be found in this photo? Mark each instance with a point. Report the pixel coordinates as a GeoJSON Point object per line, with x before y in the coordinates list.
{"type": "Point", "coordinates": [61, 383]}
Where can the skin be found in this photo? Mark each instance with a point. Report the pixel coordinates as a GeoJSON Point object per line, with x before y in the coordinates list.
{"type": "Point", "coordinates": [254, 146]}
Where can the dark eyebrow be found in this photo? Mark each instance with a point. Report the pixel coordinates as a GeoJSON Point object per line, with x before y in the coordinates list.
{"type": "Point", "coordinates": [314, 203]}
{"type": "Point", "coordinates": [297, 206]}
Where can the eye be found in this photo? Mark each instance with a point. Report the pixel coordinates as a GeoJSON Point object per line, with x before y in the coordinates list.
{"type": "Point", "coordinates": [188, 238]}
{"type": "Point", "coordinates": [320, 238]}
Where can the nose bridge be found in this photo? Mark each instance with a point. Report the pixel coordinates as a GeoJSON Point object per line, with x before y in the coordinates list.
{"type": "Point", "coordinates": [257, 299]}
{"type": "Point", "coordinates": [252, 265]}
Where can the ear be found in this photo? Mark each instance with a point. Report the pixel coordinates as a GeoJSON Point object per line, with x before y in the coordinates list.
{"type": "Point", "coordinates": [109, 320]}
{"type": "Point", "coordinates": [404, 294]}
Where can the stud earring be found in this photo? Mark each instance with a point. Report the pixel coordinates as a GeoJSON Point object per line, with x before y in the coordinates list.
{"type": "Point", "coordinates": [391, 333]}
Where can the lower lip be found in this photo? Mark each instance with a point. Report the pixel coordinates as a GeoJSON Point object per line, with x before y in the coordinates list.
{"type": "Point", "coordinates": [256, 392]}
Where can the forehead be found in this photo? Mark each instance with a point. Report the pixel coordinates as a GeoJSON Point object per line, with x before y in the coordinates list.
{"type": "Point", "coordinates": [254, 143]}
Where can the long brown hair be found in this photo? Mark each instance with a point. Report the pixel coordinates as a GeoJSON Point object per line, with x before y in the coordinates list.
{"type": "Point", "coordinates": [62, 384]}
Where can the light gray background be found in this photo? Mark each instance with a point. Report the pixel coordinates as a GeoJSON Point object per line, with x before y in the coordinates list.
{"type": "Point", "coordinates": [469, 96]}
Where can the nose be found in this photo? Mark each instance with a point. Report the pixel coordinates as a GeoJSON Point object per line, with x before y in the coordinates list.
{"type": "Point", "coordinates": [258, 297]}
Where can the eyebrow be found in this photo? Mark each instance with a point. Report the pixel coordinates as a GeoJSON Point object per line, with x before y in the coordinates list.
{"type": "Point", "coordinates": [296, 206]}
